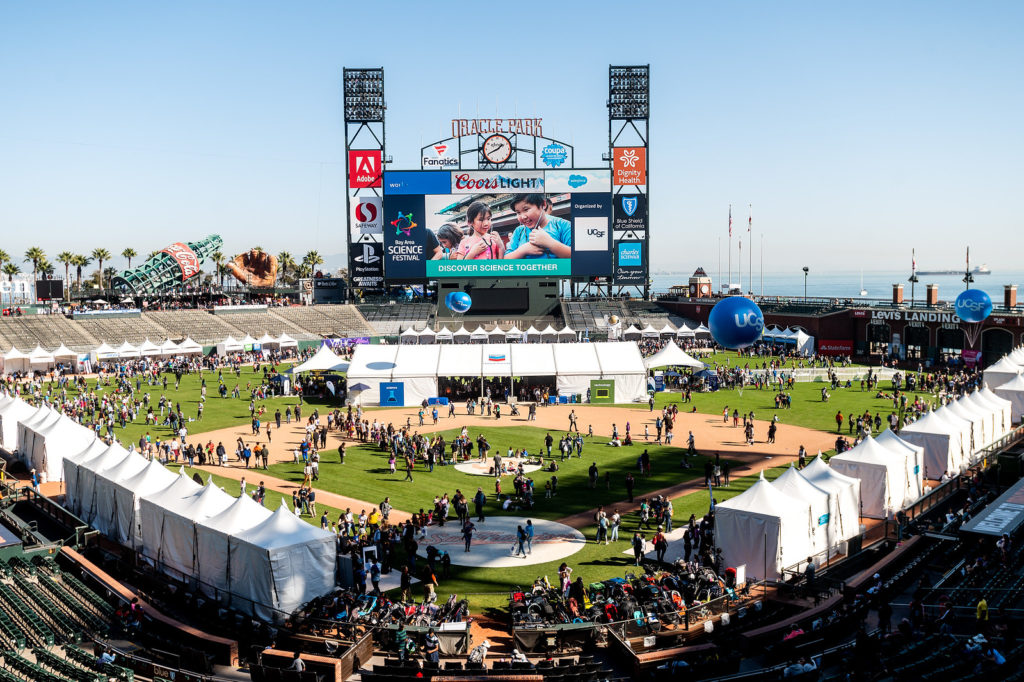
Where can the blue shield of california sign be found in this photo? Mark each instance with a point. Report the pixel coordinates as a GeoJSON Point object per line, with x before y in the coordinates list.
{"type": "Point", "coordinates": [629, 205]}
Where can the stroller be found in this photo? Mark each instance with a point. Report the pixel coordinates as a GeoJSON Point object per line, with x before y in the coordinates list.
{"type": "Point", "coordinates": [515, 410]}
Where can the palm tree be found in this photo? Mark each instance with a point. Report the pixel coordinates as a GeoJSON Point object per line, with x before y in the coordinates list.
{"type": "Point", "coordinates": [129, 253]}
{"type": "Point", "coordinates": [45, 267]}
{"type": "Point", "coordinates": [100, 255]}
{"type": "Point", "coordinates": [284, 262]}
{"type": "Point", "coordinates": [218, 257]}
{"type": "Point", "coordinates": [79, 263]}
{"type": "Point", "coordinates": [34, 255]}
{"type": "Point", "coordinates": [4, 257]}
{"type": "Point", "coordinates": [67, 259]}
{"type": "Point", "coordinates": [109, 273]}
{"type": "Point", "coordinates": [151, 255]}
{"type": "Point", "coordinates": [311, 260]}
{"type": "Point", "coordinates": [11, 269]}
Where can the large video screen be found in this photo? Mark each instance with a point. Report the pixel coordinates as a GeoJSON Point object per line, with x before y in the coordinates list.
{"type": "Point", "coordinates": [518, 223]}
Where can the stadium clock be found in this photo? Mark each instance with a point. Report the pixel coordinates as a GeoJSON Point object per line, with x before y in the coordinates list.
{"type": "Point", "coordinates": [497, 149]}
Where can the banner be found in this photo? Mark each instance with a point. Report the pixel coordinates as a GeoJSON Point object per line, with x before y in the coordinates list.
{"type": "Point", "coordinates": [440, 156]}
{"type": "Point", "coordinates": [629, 263]}
{"type": "Point", "coordinates": [577, 181]}
{"type": "Point", "coordinates": [366, 263]}
{"type": "Point", "coordinates": [185, 257]}
{"type": "Point", "coordinates": [629, 166]}
{"type": "Point", "coordinates": [367, 216]}
{"type": "Point", "coordinates": [364, 168]}
{"type": "Point", "coordinates": [630, 212]}
{"type": "Point", "coordinates": [835, 347]}
{"type": "Point", "coordinates": [497, 182]}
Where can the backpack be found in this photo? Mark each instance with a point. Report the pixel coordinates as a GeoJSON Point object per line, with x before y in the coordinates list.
{"type": "Point", "coordinates": [477, 654]}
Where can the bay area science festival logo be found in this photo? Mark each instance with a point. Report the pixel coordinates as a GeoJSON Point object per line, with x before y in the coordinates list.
{"type": "Point", "coordinates": [404, 223]}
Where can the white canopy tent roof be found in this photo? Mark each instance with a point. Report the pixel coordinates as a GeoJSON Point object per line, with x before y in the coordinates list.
{"type": "Point", "coordinates": [479, 334]}
{"type": "Point", "coordinates": [531, 333]}
{"type": "Point", "coordinates": [513, 333]}
{"type": "Point", "coordinates": [86, 503]}
{"type": "Point", "coordinates": [249, 341]}
{"type": "Point", "coordinates": [106, 518]}
{"type": "Point", "coordinates": [324, 360]}
{"type": "Point", "coordinates": [281, 564]}
{"type": "Point", "coordinates": [15, 361]}
{"type": "Point", "coordinates": [427, 335]}
{"type": "Point", "coordinates": [104, 352]}
{"type": "Point", "coordinates": [529, 360]}
{"type": "Point", "coordinates": [794, 485]}
{"type": "Point", "coordinates": [763, 526]}
{"type": "Point", "coordinates": [370, 365]}
{"type": "Point", "coordinates": [152, 509]}
{"type": "Point", "coordinates": [567, 332]}
{"type": "Point", "coordinates": [882, 476]}
{"type": "Point", "coordinates": [455, 361]}
{"type": "Point", "coordinates": [631, 333]}
{"type": "Point", "coordinates": [963, 424]}
{"type": "Point", "coordinates": [41, 356]}
{"type": "Point", "coordinates": [229, 345]}
{"type": "Point", "coordinates": [178, 540]}
{"type": "Point", "coordinates": [416, 367]}
{"type": "Point", "coordinates": [1000, 372]}
{"type": "Point", "coordinates": [268, 340]}
{"type": "Point", "coordinates": [496, 360]}
{"type": "Point", "coordinates": [461, 335]}
{"type": "Point", "coordinates": [913, 459]}
{"type": "Point", "coordinates": [29, 429]}
{"type": "Point", "coordinates": [672, 356]}
{"type": "Point", "coordinates": [127, 350]}
{"type": "Point", "coordinates": [977, 431]}
{"type": "Point", "coordinates": [942, 443]}
{"type": "Point", "coordinates": [1017, 355]}
{"type": "Point", "coordinates": [52, 441]}
{"type": "Point", "coordinates": [702, 331]}
{"type": "Point", "coordinates": [11, 415]}
{"type": "Point", "coordinates": [168, 347]}
{"type": "Point", "coordinates": [444, 334]}
{"type": "Point", "coordinates": [549, 333]}
{"type": "Point", "coordinates": [285, 341]}
{"type": "Point", "coordinates": [649, 332]}
{"type": "Point", "coordinates": [213, 541]}
{"type": "Point", "coordinates": [63, 351]}
{"type": "Point", "coordinates": [189, 347]}
{"type": "Point", "coordinates": [71, 461]}
{"type": "Point", "coordinates": [1001, 403]}
{"type": "Point", "coordinates": [148, 349]}
{"type": "Point", "coordinates": [684, 331]}
{"type": "Point", "coordinates": [496, 335]}
{"type": "Point", "coordinates": [1012, 391]}
{"type": "Point", "coordinates": [997, 414]}
{"type": "Point", "coordinates": [410, 335]}
{"type": "Point", "coordinates": [844, 499]}
{"type": "Point", "coordinates": [667, 329]}
{"type": "Point", "coordinates": [127, 493]}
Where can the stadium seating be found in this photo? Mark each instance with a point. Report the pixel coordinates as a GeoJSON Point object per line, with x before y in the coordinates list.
{"type": "Point", "coordinates": [48, 331]}
{"type": "Point", "coordinates": [390, 319]}
{"type": "Point", "coordinates": [203, 327]}
{"type": "Point", "coordinates": [116, 330]}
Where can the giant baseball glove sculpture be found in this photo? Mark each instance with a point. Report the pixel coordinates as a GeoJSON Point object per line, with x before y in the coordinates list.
{"type": "Point", "coordinates": [255, 268]}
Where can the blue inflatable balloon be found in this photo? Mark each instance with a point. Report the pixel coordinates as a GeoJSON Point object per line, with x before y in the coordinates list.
{"type": "Point", "coordinates": [459, 301]}
{"type": "Point", "coordinates": [736, 322]}
{"type": "Point", "coordinates": [448, 300]}
{"type": "Point", "coordinates": [973, 305]}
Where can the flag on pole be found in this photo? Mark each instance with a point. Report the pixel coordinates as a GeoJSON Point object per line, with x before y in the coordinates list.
{"type": "Point", "coordinates": [913, 262]}
{"type": "Point", "coordinates": [730, 220]}
{"type": "Point", "coordinates": [750, 220]}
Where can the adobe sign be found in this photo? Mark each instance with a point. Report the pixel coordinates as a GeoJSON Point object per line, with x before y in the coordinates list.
{"type": "Point", "coordinates": [364, 168]}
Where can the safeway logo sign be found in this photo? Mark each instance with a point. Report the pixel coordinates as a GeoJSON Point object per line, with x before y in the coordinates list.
{"type": "Point", "coordinates": [364, 168]}
{"type": "Point", "coordinates": [367, 216]}
{"type": "Point", "coordinates": [629, 166]}
{"type": "Point", "coordinates": [439, 156]}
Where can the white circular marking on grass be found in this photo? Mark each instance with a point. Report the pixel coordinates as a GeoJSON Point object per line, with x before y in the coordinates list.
{"type": "Point", "coordinates": [494, 542]}
{"type": "Point", "coordinates": [478, 468]}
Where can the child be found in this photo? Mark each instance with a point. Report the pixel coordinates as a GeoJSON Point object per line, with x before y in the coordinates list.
{"type": "Point", "coordinates": [538, 235]}
{"type": "Point", "coordinates": [481, 244]}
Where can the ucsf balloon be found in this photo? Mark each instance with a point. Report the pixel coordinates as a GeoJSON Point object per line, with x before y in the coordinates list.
{"type": "Point", "coordinates": [460, 302]}
{"type": "Point", "coordinates": [973, 305]}
{"type": "Point", "coordinates": [736, 322]}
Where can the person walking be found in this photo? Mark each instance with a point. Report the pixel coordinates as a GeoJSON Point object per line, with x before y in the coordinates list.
{"type": "Point", "coordinates": [478, 501]}
{"type": "Point", "coordinates": [629, 486]}
{"type": "Point", "coordinates": [529, 536]}
{"type": "Point", "coordinates": [520, 541]}
{"type": "Point", "coordinates": [467, 533]}
{"type": "Point", "coordinates": [408, 469]}
{"type": "Point", "coordinates": [638, 547]}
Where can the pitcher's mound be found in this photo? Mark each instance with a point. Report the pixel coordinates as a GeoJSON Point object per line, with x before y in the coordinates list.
{"type": "Point", "coordinates": [494, 542]}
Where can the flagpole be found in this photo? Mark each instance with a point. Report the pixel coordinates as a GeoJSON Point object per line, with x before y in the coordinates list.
{"type": "Point", "coordinates": [729, 283]}
{"type": "Point", "coordinates": [762, 266]}
{"type": "Point", "coordinates": [719, 264]}
{"type": "Point", "coordinates": [750, 250]}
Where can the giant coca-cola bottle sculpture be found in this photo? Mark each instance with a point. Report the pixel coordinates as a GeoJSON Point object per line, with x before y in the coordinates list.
{"type": "Point", "coordinates": [169, 268]}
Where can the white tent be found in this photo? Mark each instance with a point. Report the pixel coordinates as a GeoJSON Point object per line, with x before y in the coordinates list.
{"type": "Point", "coordinates": [107, 518]}
{"type": "Point", "coordinates": [1013, 392]}
{"type": "Point", "coordinates": [795, 486]}
{"type": "Point", "coordinates": [942, 442]}
{"type": "Point", "coordinates": [103, 352]}
{"type": "Point", "coordinates": [152, 512]}
{"type": "Point", "coordinates": [913, 464]}
{"type": "Point", "coordinates": [763, 529]}
{"type": "Point", "coordinates": [285, 341]}
{"type": "Point", "coordinates": [1017, 355]}
{"type": "Point", "coordinates": [86, 504]}
{"type": "Point", "coordinates": [178, 531]}
{"type": "Point", "coordinates": [40, 358]}
{"type": "Point", "coordinates": [981, 422]}
{"type": "Point", "coordinates": [882, 475]}
{"type": "Point", "coordinates": [844, 500]}
{"type": "Point", "coordinates": [281, 564]}
{"type": "Point", "coordinates": [127, 350]}
{"type": "Point", "coordinates": [993, 413]}
{"type": "Point", "coordinates": [416, 368]}
{"type": "Point", "coordinates": [496, 335]}
{"type": "Point", "coordinates": [478, 335]}
{"type": "Point", "coordinates": [213, 540]}
{"type": "Point", "coordinates": [229, 345]}
{"type": "Point", "coordinates": [370, 365]}
{"type": "Point", "coordinates": [189, 347]}
{"type": "Point", "coordinates": [267, 340]}
{"type": "Point", "coordinates": [577, 365]}
{"type": "Point", "coordinates": [410, 335]}
{"type": "Point", "coordinates": [127, 493]}
{"type": "Point", "coordinates": [549, 334]}
{"type": "Point", "coordinates": [513, 334]}
{"type": "Point", "coordinates": [427, 335]}
{"type": "Point", "coordinates": [770, 333]}
{"type": "Point", "coordinates": [623, 363]}
{"type": "Point", "coordinates": [684, 332]}
{"type": "Point", "coordinates": [649, 332]}
{"type": "Point", "coordinates": [11, 414]}
{"type": "Point", "coordinates": [15, 361]}
{"type": "Point", "coordinates": [965, 427]}
{"type": "Point", "coordinates": [148, 349]}
{"type": "Point", "coordinates": [52, 441]}
{"type": "Point", "coordinates": [1002, 371]}
{"type": "Point", "coordinates": [324, 360]}
{"type": "Point", "coordinates": [65, 355]}
{"type": "Point", "coordinates": [461, 335]}
{"type": "Point", "coordinates": [445, 334]}
{"type": "Point", "coordinates": [702, 332]}
{"type": "Point", "coordinates": [71, 461]}
{"type": "Point", "coordinates": [804, 342]}
{"type": "Point", "coordinates": [168, 347]}
{"type": "Point", "coordinates": [249, 343]}
{"type": "Point", "coordinates": [29, 428]}
{"type": "Point", "coordinates": [631, 333]}
{"type": "Point", "coordinates": [1004, 405]}
{"type": "Point", "coordinates": [667, 330]}
{"type": "Point", "coordinates": [455, 361]}
{"type": "Point", "coordinates": [672, 356]}
{"type": "Point", "coordinates": [566, 333]}
{"type": "Point", "coordinates": [530, 360]}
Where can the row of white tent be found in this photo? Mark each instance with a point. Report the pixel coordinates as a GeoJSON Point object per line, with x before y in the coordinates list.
{"type": "Point", "coordinates": [815, 510]}
{"type": "Point", "coordinates": [38, 358]}
{"type": "Point", "coordinates": [573, 365]}
{"type": "Point", "coordinates": [1006, 377]}
{"type": "Point", "coordinates": [954, 434]}
{"type": "Point", "coordinates": [263, 563]}
{"type": "Point", "coordinates": [804, 342]}
{"type": "Point", "coordinates": [233, 345]}
{"type": "Point", "coordinates": [532, 334]}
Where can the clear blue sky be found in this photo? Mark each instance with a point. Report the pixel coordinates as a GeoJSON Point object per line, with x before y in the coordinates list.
{"type": "Point", "coordinates": [856, 130]}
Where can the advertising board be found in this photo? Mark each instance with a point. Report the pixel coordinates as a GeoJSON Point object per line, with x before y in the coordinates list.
{"type": "Point", "coordinates": [495, 223]}
{"type": "Point", "coordinates": [629, 262]}
{"type": "Point", "coordinates": [366, 263]}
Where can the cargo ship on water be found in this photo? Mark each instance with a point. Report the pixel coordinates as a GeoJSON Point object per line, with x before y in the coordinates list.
{"type": "Point", "coordinates": [979, 270]}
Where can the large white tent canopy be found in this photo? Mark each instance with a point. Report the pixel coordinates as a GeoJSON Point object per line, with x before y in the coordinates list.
{"type": "Point", "coordinates": [795, 485]}
{"type": "Point", "coordinates": [128, 490]}
{"type": "Point", "coordinates": [324, 360]}
{"type": "Point", "coordinates": [913, 463]}
{"type": "Point", "coordinates": [418, 367]}
{"type": "Point", "coordinates": [672, 356]}
{"type": "Point", "coordinates": [51, 442]}
{"type": "Point", "coordinates": [1000, 372]}
{"type": "Point", "coordinates": [844, 500]}
{"type": "Point", "coordinates": [882, 476]}
{"type": "Point", "coordinates": [942, 442]}
{"type": "Point", "coordinates": [1012, 392]}
{"type": "Point", "coordinates": [11, 415]}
